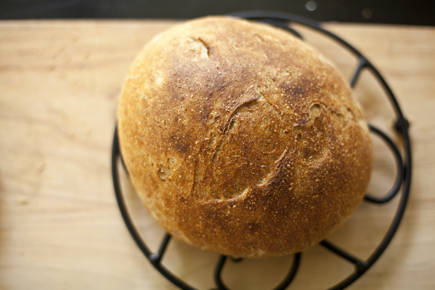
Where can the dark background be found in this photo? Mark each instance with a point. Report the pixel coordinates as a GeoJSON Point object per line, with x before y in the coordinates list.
{"type": "Point", "coordinates": [421, 12]}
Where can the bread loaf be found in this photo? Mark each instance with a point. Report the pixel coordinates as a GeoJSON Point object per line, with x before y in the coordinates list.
{"type": "Point", "coordinates": [242, 139]}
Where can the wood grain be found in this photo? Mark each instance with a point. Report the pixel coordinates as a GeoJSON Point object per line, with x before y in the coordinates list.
{"type": "Point", "coordinates": [59, 224]}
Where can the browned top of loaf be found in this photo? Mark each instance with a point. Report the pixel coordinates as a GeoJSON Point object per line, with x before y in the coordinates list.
{"type": "Point", "coordinates": [242, 139]}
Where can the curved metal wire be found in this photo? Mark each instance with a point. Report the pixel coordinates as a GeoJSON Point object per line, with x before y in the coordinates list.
{"type": "Point", "coordinates": [403, 179]}
{"type": "Point", "coordinates": [281, 286]}
{"type": "Point", "coordinates": [400, 170]}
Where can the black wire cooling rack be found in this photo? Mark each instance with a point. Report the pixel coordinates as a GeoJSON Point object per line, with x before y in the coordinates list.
{"type": "Point", "coordinates": [402, 181]}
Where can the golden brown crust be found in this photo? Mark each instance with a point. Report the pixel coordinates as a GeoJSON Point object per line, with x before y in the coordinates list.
{"type": "Point", "coordinates": [242, 139]}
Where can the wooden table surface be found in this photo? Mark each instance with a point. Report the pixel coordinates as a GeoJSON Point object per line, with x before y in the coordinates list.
{"type": "Point", "coordinates": [60, 227]}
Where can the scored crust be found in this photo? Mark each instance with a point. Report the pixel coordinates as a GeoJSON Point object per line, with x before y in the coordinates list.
{"type": "Point", "coordinates": [241, 139]}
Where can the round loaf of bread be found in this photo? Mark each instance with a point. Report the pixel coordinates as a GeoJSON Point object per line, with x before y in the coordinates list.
{"type": "Point", "coordinates": [242, 139]}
